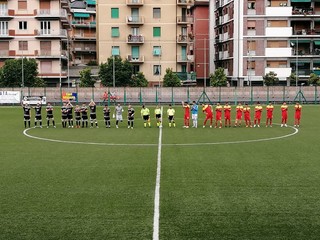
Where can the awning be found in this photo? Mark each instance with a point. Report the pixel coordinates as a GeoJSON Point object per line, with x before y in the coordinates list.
{"type": "Point", "coordinates": [300, 0]}
{"type": "Point", "coordinates": [91, 2]}
{"type": "Point", "coordinates": [300, 41]}
{"type": "Point", "coordinates": [81, 15]}
{"type": "Point", "coordinates": [317, 43]}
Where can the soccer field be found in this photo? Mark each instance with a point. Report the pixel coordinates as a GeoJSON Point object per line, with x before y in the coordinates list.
{"type": "Point", "coordinates": [229, 183]}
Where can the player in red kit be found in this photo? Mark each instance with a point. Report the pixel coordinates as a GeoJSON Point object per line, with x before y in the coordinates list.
{"type": "Point", "coordinates": [227, 115]}
{"type": "Point", "coordinates": [257, 114]}
{"type": "Point", "coordinates": [218, 115]}
{"type": "Point", "coordinates": [247, 117]}
{"type": "Point", "coordinates": [239, 110]}
{"type": "Point", "coordinates": [186, 107]}
{"type": "Point", "coordinates": [284, 114]}
{"type": "Point", "coordinates": [297, 114]}
{"type": "Point", "coordinates": [269, 115]}
{"type": "Point", "coordinates": [206, 108]}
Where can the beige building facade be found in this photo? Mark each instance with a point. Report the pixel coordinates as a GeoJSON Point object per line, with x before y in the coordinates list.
{"type": "Point", "coordinates": [36, 29]}
{"type": "Point", "coordinates": [153, 35]}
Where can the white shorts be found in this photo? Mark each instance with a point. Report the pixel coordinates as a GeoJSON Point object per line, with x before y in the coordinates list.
{"type": "Point", "coordinates": [119, 117]}
{"type": "Point", "coordinates": [194, 116]}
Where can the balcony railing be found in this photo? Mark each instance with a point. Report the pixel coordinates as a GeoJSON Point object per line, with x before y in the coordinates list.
{"type": "Point", "coordinates": [135, 20]}
{"type": "Point", "coordinates": [302, 11]}
{"type": "Point", "coordinates": [135, 39]}
{"type": "Point", "coordinates": [51, 33]}
{"type": "Point", "coordinates": [135, 2]}
{"type": "Point", "coordinates": [49, 13]}
{"type": "Point", "coordinates": [184, 19]}
{"type": "Point", "coordinates": [135, 59]}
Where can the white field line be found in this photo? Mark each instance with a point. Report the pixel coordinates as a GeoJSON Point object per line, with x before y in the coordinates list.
{"type": "Point", "coordinates": [25, 132]}
{"type": "Point", "coordinates": [156, 216]}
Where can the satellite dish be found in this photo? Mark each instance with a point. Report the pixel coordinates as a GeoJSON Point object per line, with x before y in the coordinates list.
{"type": "Point", "coordinates": [129, 19]}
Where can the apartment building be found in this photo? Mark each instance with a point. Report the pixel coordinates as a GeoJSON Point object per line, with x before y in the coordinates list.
{"type": "Point", "coordinates": [254, 37]}
{"type": "Point", "coordinates": [153, 35]}
{"type": "Point", "coordinates": [36, 29]}
{"type": "Point", "coordinates": [83, 32]}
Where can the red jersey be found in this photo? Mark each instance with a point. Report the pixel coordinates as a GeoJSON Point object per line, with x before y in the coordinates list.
{"type": "Point", "coordinates": [186, 110]}
{"type": "Point", "coordinates": [207, 110]}
{"type": "Point", "coordinates": [246, 111]}
{"type": "Point", "coordinates": [297, 108]}
{"type": "Point", "coordinates": [257, 111]}
{"type": "Point", "coordinates": [227, 111]}
{"type": "Point", "coordinates": [218, 112]}
{"type": "Point", "coordinates": [284, 110]}
{"type": "Point", "coordinates": [269, 111]}
{"type": "Point", "coordinates": [239, 110]}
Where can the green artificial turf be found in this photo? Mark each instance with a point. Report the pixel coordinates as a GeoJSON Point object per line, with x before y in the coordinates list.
{"type": "Point", "coordinates": [101, 190]}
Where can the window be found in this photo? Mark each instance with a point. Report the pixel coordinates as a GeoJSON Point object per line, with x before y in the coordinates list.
{"type": "Point", "coordinates": [157, 70]}
{"type": "Point", "coordinates": [45, 27]}
{"type": "Point", "coordinates": [23, 25]}
{"type": "Point", "coordinates": [23, 45]}
{"type": "Point", "coordinates": [115, 32]}
{"type": "Point", "coordinates": [115, 51]}
{"type": "Point", "coordinates": [22, 4]}
{"type": "Point", "coordinates": [3, 28]}
{"type": "Point", "coordinates": [156, 12]}
{"type": "Point", "coordinates": [157, 31]}
{"type": "Point", "coordinates": [157, 51]}
{"type": "Point", "coordinates": [251, 4]}
{"type": "Point", "coordinates": [114, 12]}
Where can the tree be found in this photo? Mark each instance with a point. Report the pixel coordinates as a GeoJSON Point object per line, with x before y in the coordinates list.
{"type": "Point", "coordinates": [218, 78]}
{"type": "Point", "coordinates": [314, 79]}
{"type": "Point", "coordinates": [122, 71]}
{"type": "Point", "coordinates": [171, 79]}
{"type": "Point", "coordinates": [270, 79]}
{"type": "Point", "coordinates": [139, 80]}
{"type": "Point", "coordinates": [86, 79]}
{"type": "Point", "coordinates": [293, 79]}
{"type": "Point", "coordinates": [39, 82]}
{"type": "Point", "coordinates": [11, 73]}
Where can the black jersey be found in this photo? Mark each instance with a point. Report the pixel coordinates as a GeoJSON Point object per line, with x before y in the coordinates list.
{"type": "Point", "coordinates": [106, 112]}
{"type": "Point", "coordinates": [93, 109]}
{"type": "Point", "coordinates": [26, 111]}
{"type": "Point", "coordinates": [64, 111]}
{"type": "Point", "coordinates": [38, 110]}
{"type": "Point", "coordinates": [69, 110]}
{"type": "Point", "coordinates": [49, 110]}
{"type": "Point", "coordinates": [130, 113]}
{"type": "Point", "coordinates": [84, 111]}
{"type": "Point", "coordinates": [77, 112]}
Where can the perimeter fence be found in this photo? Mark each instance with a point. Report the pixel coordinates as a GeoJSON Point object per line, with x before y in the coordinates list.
{"type": "Point", "coordinates": [166, 95]}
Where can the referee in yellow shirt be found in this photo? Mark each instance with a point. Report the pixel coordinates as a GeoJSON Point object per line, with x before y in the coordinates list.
{"type": "Point", "coordinates": [170, 113]}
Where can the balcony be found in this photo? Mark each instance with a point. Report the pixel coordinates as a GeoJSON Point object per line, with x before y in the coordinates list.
{"type": "Point", "coordinates": [6, 14]}
{"type": "Point", "coordinates": [135, 39]}
{"type": "Point", "coordinates": [278, 11]}
{"type": "Point", "coordinates": [185, 39]}
{"type": "Point", "coordinates": [83, 24]}
{"type": "Point", "coordinates": [185, 58]}
{"type": "Point", "coordinates": [281, 72]}
{"type": "Point", "coordinates": [135, 3]}
{"type": "Point", "coordinates": [184, 20]}
{"type": "Point", "coordinates": [85, 49]}
{"type": "Point", "coordinates": [8, 34]}
{"type": "Point", "coordinates": [139, 59]}
{"type": "Point", "coordinates": [185, 3]}
{"type": "Point", "coordinates": [84, 36]}
{"type": "Point", "coordinates": [135, 20]}
{"type": "Point", "coordinates": [47, 54]}
{"type": "Point", "coordinates": [302, 11]}
{"type": "Point", "coordinates": [4, 54]}
{"type": "Point", "coordinates": [51, 33]}
{"type": "Point", "coordinates": [65, 4]}
{"type": "Point", "coordinates": [51, 14]}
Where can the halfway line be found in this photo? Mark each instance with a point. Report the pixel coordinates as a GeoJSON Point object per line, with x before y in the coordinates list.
{"type": "Point", "coordinates": [156, 215]}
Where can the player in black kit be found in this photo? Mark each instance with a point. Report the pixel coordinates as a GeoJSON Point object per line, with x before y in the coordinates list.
{"type": "Point", "coordinates": [84, 115]}
{"type": "Point", "coordinates": [64, 115]}
{"type": "Point", "coordinates": [70, 114]}
{"type": "Point", "coordinates": [106, 115]}
{"type": "Point", "coordinates": [77, 115]}
{"type": "Point", "coordinates": [130, 116]}
{"type": "Point", "coordinates": [26, 114]}
{"type": "Point", "coordinates": [38, 117]}
{"type": "Point", "coordinates": [49, 110]}
{"type": "Point", "coordinates": [93, 115]}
